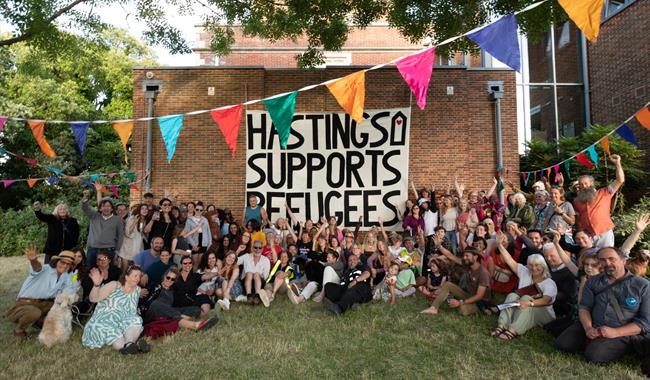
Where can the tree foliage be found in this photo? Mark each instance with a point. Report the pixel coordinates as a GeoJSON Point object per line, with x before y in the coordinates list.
{"type": "Point", "coordinates": [89, 79]}
{"type": "Point", "coordinates": [325, 23]}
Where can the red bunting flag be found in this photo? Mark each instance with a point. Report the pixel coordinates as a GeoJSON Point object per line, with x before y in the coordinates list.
{"type": "Point", "coordinates": [523, 177]}
{"type": "Point", "coordinates": [3, 119]}
{"type": "Point", "coordinates": [584, 161]}
{"type": "Point", "coordinates": [229, 120]}
{"type": "Point", "coordinates": [643, 117]}
{"type": "Point", "coordinates": [114, 190]}
{"type": "Point", "coordinates": [38, 130]}
{"type": "Point", "coordinates": [605, 143]}
{"type": "Point", "coordinates": [31, 182]}
{"type": "Point", "coordinates": [30, 161]}
{"type": "Point", "coordinates": [134, 187]}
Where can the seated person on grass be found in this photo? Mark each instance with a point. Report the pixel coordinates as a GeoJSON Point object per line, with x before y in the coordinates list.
{"type": "Point", "coordinates": [353, 290]}
{"type": "Point", "coordinates": [535, 294]}
{"type": "Point", "coordinates": [476, 293]}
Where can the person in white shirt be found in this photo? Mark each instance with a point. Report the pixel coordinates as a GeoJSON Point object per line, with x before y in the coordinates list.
{"type": "Point", "coordinates": [535, 295]}
{"type": "Point", "coordinates": [256, 270]}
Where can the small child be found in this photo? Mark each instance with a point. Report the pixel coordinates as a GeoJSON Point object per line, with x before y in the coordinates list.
{"type": "Point", "coordinates": [386, 289]}
{"type": "Point", "coordinates": [435, 279]}
{"type": "Point", "coordinates": [590, 266]}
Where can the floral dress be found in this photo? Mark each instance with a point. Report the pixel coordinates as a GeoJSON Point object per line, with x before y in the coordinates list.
{"type": "Point", "coordinates": [112, 316]}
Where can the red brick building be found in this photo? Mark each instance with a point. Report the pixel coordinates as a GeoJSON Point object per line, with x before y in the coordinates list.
{"type": "Point", "coordinates": [370, 46]}
{"type": "Point", "coordinates": [454, 135]}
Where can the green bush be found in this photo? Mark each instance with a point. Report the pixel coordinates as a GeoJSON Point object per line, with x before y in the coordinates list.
{"type": "Point", "coordinates": [624, 222]}
{"type": "Point", "coordinates": [20, 228]}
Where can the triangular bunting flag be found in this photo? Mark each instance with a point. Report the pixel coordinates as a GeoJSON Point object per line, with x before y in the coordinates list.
{"type": "Point", "coordinates": [228, 121]}
{"type": "Point", "coordinates": [124, 129]}
{"type": "Point", "coordinates": [31, 182]}
{"type": "Point", "coordinates": [2, 151]}
{"type": "Point", "coordinates": [38, 130]}
{"type": "Point", "coordinates": [80, 130]}
{"type": "Point", "coordinates": [416, 71]}
{"type": "Point", "coordinates": [170, 128]}
{"type": "Point", "coordinates": [281, 110]}
{"type": "Point", "coordinates": [350, 93]}
{"type": "Point", "coordinates": [556, 167]}
{"type": "Point", "coordinates": [54, 170]}
{"type": "Point", "coordinates": [534, 177]}
{"type": "Point", "coordinates": [605, 144]}
{"type": "Point", "coordinates": [52, 179]}
{"type": "Point", "coordinates": [94, 177]}
{"type": "Point", "coordinates": [586, 14]}
{"type": "Point", "coordinates": [104, 190]}
{"type": "Point", "coordinates": [501, 40]}
{"type": "Point", "coordinates": [3, 120]}
{"type": "Point", "coordinates": [130, 176]}
{"type": "Point", "coordinates": [593, 154]}
{"type": "Point", "coordinates": [567, 168]}
{"type": "Point", "coordinates": [87, 183]}
{"type": "Point", "coordinates": [527, 178]}
{"type": "Point", "coordinates": [584, 160]}
{"type": "Point", "coordinates": [523, 176]}
{"type": "Point", "coordinates": [8, 182]}
{"type": "Point", "coordinates": [626, 133]}
{"type": "Point", "coordinates": [114, 190]}
{"type": "Point", "coordinates": [111, 175]}
{"type": "Point", "coordinates": [548, 174]}
{"type": "Point", "coordinates": [134, 187]}
{"type": "Point", "coordinates": [643, 117]}
{"type": "Point", "coordinates": [30, 161]}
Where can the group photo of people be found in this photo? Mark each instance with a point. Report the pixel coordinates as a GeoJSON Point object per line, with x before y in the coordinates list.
{"type": "Point", "coordinates": [542, 259]}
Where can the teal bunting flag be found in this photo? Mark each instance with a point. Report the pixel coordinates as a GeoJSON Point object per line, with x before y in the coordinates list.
{"type": "Point", "coordinates": [170, 128]}
{"type": "Point", "coordinates": [281, 110]}
{"type": "Point", "coordinates": [593, 155]}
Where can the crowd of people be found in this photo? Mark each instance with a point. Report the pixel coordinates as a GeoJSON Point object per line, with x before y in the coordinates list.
{"type": "Point", "coordinates": [544, 259]}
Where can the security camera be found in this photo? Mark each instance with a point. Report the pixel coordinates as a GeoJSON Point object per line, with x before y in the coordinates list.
{"type": "Point", "coordinates": [149, 75]}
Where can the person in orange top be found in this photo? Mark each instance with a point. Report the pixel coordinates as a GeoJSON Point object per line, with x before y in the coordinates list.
{"type": "Point", "coordinates": [593, 206]}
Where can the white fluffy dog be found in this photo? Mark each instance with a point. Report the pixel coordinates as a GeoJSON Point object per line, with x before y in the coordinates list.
{"type": "Point", "coordinates": [57, 326]}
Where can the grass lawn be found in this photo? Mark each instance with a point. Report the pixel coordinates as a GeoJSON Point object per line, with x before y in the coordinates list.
{"type": "Point", "coordinates": [286, 341]}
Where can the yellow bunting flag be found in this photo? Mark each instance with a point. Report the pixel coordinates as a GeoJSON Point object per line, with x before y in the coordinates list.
{"type": "Point", "coordinates": [38, 129]}
{"type": "Point", "coordinates": [124, 129]}
{"type": "Point", "coordinates": [586, 14]}
{"type": "Point", "coordinates": [643, 117]}
{"type": "Point", "coordinates": [605, 143]}
{"type": "Point", "coordinates": [31, 182]}
{"type": "Point", "coordinates": [350, 92]}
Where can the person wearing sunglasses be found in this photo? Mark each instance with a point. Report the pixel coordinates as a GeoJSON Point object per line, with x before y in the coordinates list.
{"type": "Point", "coordinates": [187, 285]}
{"type": "Point", "coordinates": [256, 270]}
{"type": "Point", "coordinates": [162, 223]}
{"type": "Point", "coordinates": [159, 305]}
{"type": "Point", "coordinates": [199, 238]}
{"type": "Point", "coordinates": [108, 272]}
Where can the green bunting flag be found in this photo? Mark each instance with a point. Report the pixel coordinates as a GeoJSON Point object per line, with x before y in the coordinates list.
{"type": "Point", "coordinates": [281, 110]}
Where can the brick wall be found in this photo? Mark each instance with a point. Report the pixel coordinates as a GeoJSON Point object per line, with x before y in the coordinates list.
{"type": "Point", "coordinates": [454, 135]}
{"type": "Point", "coordinates": [619, 70]}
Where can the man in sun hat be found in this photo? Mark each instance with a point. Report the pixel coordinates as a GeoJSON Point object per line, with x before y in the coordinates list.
{"type": "Point", "coordinates": [42, 285]}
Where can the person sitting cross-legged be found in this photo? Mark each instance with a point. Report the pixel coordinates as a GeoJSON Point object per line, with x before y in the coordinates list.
{"type": "Point", "coordinates": [614, 313]}
{"type": "Point", "coordinates": [535, 295]}
{"type": "Point", "coordinates": [475, 295]}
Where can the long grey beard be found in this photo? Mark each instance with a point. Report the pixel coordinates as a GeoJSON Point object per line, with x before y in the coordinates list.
{"type": "Point", "coordinates": [586, 195]}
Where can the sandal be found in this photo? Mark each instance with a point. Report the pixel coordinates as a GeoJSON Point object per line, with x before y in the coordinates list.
{"type": "Point", "coordinates": [508, 335]}
{"type": "Point", "coordinates": [498, 331]}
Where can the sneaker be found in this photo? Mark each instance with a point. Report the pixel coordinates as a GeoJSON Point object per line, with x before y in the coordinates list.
{"type": "Point", "coordinates": [241, 298]}
{"type": "Point", "coordinates": [129, 349]}
{"type": "Point", "coordinates": [331, 306]}
{"type": "Point", "coordinates": [318, 297]}
{"type": "Point", "coordinates": [224, 304]}
{"type": "Point", "coordinates": [208, 323]}
{"type": "Point", "coordinates": [142, 345]}
{"type": "Point", "coordinates": [293, 294]}
{"type": "Point", "coordinates": [264, 297]}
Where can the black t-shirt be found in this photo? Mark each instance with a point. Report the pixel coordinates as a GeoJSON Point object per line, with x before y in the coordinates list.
{"type": "Point", "coordinates": [436, 280]}
{"type": "Point", "coordinates": [351, 274]}
{"type": "Point", "coordinates": [185, 290]}
{"type": "Point", "coordinates": [566, 291]}
{"type": "Point", "coordinates": [304, 249]}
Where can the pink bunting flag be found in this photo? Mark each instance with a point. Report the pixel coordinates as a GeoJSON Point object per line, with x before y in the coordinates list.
{"type": "Point", "coordinates": [134, 187]}
{"type": "Point", "coordinates": [8, 182]}
{"type": "Point", "coordinates": [416, 71]}
{"type": "Point", "coordinates": [111, 175]}
{"type": "Point", "coordinates": [228, 121]}
{"type": "Point", "coordinates": [557, 171]}
{"type": "Point", "coordinates": [3, 120]}
{"type": "Point", "coordinates": [114, 190]}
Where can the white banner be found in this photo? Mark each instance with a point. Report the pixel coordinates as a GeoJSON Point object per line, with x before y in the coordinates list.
{"type": "Point", "coordinates": [331, 167]}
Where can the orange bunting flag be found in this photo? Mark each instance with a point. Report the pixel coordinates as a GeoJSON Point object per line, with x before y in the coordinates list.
{"type": "Point", "coordinates": [38, 129]}
{"type": "Point", "coordinates": [31, 182]}
{"type": "Point", "coordinates": [586, 14]}
{"type": "Point", "coordinates": [643, 117]}
{"type": "Point", "coordinates": [548, 174]}
{"type": "Point", "coordinates": [605, 143]}
{"type": "Point", "coordinates": [350, 93]}
{"type": "Point", "coordinates": [124, 129]}
{"type": "Point", "coordinates": [104, 190]}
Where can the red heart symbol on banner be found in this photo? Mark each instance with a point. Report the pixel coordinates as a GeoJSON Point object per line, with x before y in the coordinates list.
{"type": "Point", "coordinates": [399, 121]}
